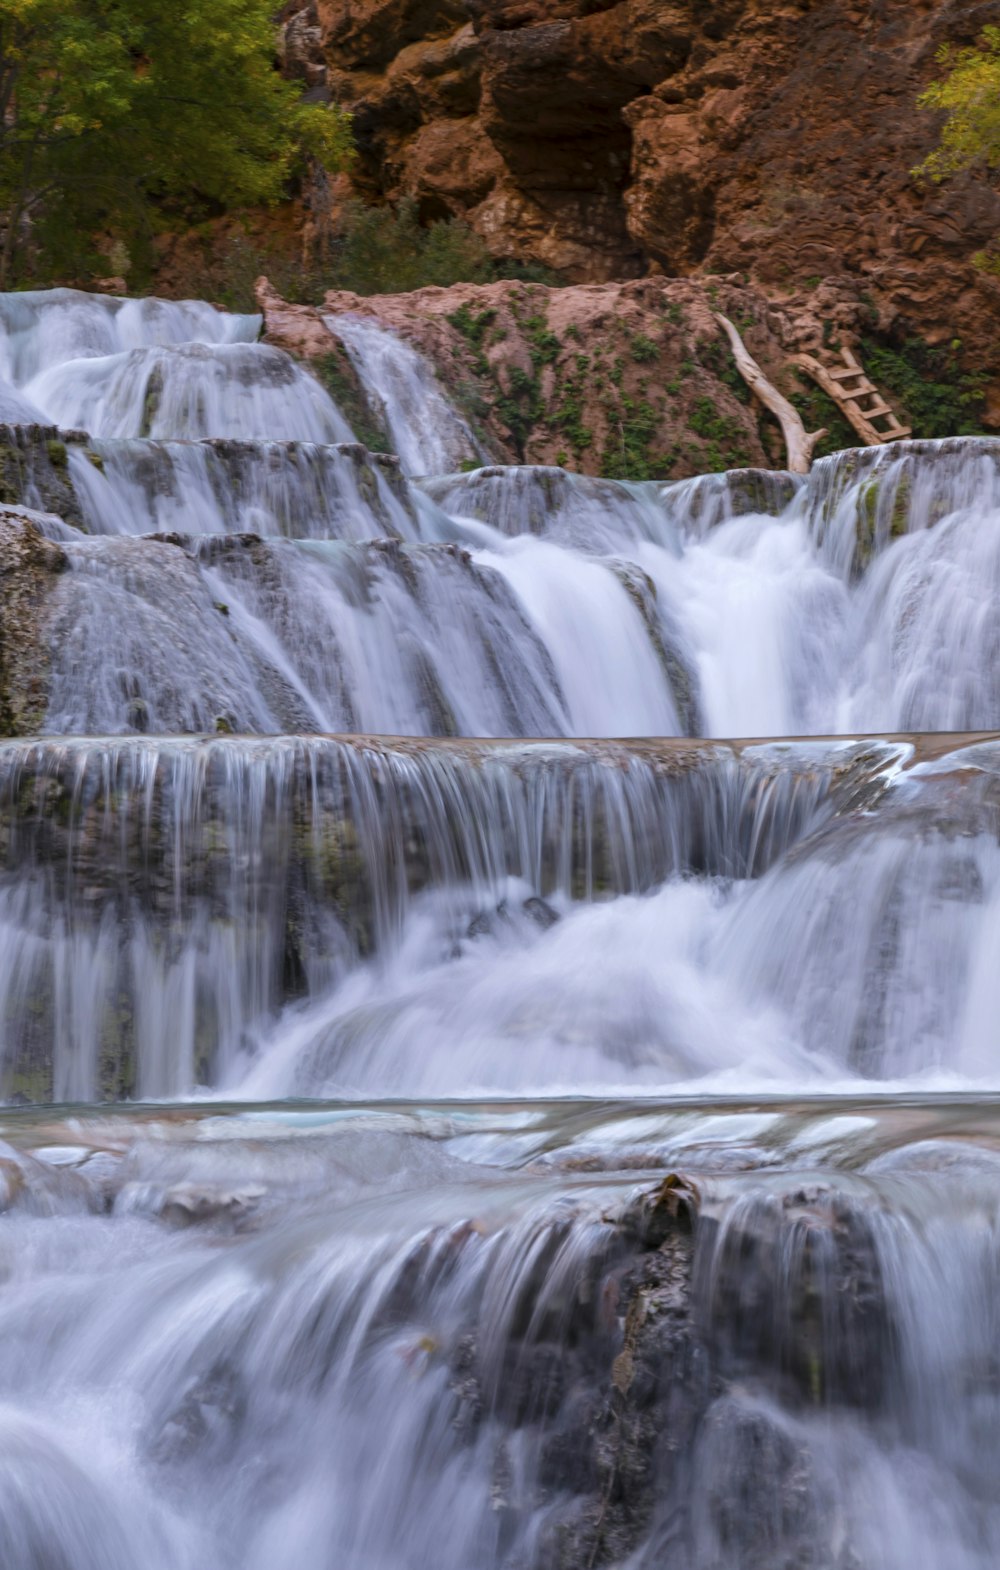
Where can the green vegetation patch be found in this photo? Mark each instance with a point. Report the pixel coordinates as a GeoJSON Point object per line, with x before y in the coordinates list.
{"type": "Point", "coordinates": [723, 436]}
{"type": "Point", "coordinates": [937, 396]}
{"type": "Point", "coordinates": [819, 412]}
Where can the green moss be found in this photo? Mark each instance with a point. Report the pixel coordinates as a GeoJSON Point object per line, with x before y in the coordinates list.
{"type": "Point", "coordinates": [723, 437]}
{"type": "Point", "coordinates": [151, 402]}
{"type": "Point", "coordinates": [628, 453]}
{"type": "Point", "coordinates": [867, 519]}
{"type": "Point", "coordinates": [543, 344]}
{"type": "Point", "coordinates": [819, 412]}
{"type": "Point", "coordinates": [520, 407]}
{"type": "Point", "coordinates": [568, 415]}
{"type": "Point", "coordinates": [717, 358]}
{"type": "Point", "coordinates": [643, 349]}
{"type": "Point", "coordinates": [58, 456]}
{"type": "Point", "coordinates": [29, 1083]}
{"type": "Point", "coordinates": [867, 533]}
{"type": "Point", "coordinates": [473, 325]}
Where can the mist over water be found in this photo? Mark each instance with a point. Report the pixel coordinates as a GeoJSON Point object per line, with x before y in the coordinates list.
{"type": "Point", "coordinates": [427, 1145]}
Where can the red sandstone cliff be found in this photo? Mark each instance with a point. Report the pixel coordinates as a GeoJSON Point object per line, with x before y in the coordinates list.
{"type": "Point", "coordinates": [773, 138]}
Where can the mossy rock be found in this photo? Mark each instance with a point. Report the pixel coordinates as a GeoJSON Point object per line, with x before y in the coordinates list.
{"type": "Point", "coordinates": [35, 470]}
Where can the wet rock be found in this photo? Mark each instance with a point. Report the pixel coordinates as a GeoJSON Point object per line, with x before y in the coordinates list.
{"type": "Point", "coordinates": [530, 1383]}
{"type": "Point", "coordinates": [792, 1285]}
{"type": "Point", "coordinates": [541, 912]}
{"type": "Point", "coordinates": [758, 1499]}
{"type": "Point", "coordinates": [29, 567]}
{"type": "Point", "coordinates": [204, 1426]}
{"type": "Point", "coordinates": [34, 469]}
{"type": "Point", "coordinates": [667, 1417]}
{"type": "Point", "coordinates": [192, 1204]}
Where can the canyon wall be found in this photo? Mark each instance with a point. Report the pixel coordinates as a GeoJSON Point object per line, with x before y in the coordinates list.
{"type": "Point", "coordinates": [771, 138]}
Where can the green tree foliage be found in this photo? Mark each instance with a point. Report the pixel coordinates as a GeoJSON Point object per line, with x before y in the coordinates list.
{"type": "Point", "coordinates": [969, 95]}
{"type": "Point", "coordinates": [939, 398]}
{"type": "Point", "coordinates": [116, 115]}
{"type": "Point", "coordinates": [386, 250]}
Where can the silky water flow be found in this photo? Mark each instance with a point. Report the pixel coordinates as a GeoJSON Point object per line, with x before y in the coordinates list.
{"type": "Point", "coordinates": [453, 1118]}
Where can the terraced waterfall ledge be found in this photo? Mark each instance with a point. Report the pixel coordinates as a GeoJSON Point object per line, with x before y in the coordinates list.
{"type": "Point", "coordinates": [455, 1115]}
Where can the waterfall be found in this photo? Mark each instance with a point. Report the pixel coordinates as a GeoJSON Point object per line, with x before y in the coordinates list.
{"type": "Point", "coordinates": [427, 431]}
{"type": "Point", "coordinates": [301, 490]}
{"type": "Point", "coordinates": [301, 1303]}
{"type": "Point", "coordinates": [229, 389]}
{"type": "Point", "coordinates": [862, 604]}
{"type": "Point", "coordinates": [452, 1117]}
{"type": "Point", "coordinates": [212, 883]}
{"type": "Point", "coordinates": [40, 329]}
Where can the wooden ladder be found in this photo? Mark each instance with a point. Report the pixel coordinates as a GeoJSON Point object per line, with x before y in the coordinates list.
{"type": "Point", "coordinates": [842, 377]}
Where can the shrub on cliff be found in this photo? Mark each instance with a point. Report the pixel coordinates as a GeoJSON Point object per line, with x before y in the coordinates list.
{"type": "Point", "coordinates": [969, 95]}
{"type": "Point", "coordinates": [939, 398]}
{"type": "Point", "coordinates": [118, 115]}
{"type": "Point", "coordinates": [384, 250]}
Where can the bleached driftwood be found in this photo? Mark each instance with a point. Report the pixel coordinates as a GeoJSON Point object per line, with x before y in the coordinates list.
{"type": "Point", "coordinates": [799, 443]}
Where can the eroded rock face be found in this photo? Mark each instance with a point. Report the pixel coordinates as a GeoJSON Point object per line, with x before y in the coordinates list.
{"type": "Point", "coordinates": [712, 135]}
{"type": "Point", "coordinates": [34, 469]}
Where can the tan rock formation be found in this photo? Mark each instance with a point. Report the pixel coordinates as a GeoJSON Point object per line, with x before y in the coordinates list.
{"type": "Point", "coordinates": [632, 380]}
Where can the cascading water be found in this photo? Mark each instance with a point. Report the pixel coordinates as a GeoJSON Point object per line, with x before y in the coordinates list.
{"type": "Point", "coordinates": [484, 1154]}
{"type": "Point", "coordinates": [427, 432]}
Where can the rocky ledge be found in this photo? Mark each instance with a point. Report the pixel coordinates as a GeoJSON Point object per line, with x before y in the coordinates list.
{"type": "Point", "coordinates": [628, 380]}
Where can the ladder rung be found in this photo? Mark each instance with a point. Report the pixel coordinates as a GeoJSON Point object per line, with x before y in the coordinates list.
{"type": "Point", "coordinates": [824, 366]}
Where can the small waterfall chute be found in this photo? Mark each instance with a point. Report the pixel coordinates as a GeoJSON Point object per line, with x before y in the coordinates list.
{"type": "Point", "coordinates": [428, 432]}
